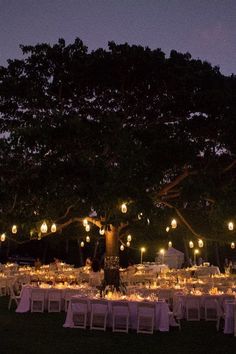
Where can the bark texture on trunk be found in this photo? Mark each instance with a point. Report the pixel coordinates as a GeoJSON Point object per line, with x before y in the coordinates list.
{"type": "Point", "coordinates": [111, 262]}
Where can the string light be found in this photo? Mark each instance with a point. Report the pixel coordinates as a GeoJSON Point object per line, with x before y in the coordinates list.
{"type": "Point", "coordinates": [232, 245]}
{"type": "Point", "coordinates": [102, 231]}
{"type": "Point", "coordinates": [200, 243]}
{"type": "Point", "coordinates": [82, 244]}
{"type": "Point", "coordinates": [14, 229]}
{"type": "Point", "coordinates": [169, 244]}
{"type": "Point", "coordinates": [85, 222]}
{"type": "Point", "coordinates": [87, 239]}
{"type": "Point", "coordinates": [53, 228]}
{"type": "Point", "coordinates": [191, 244]}
{"type": "Point", "coordinates": [87, 227]}
{"type": "Point", "coordinates": [3, 237]}
{"type": "Point", "coordinates": [167, 229]}
{"type": "Point", "coordinates": [122, 247]}
{"type": "Point", "coordinates": [129, 238]}
{"type": "Point", "coordinates": [128, 244]}
{"type": "Point", "coordinates": [44, 228]}
{"type": "Point", "coordinates": [173, 224]}
{"type": "Point", "coordinates": [123, 208]}
{"type": "Point", "coordinates": [140, 216]}
{"type": "Point", "coordinates": [231, 226]}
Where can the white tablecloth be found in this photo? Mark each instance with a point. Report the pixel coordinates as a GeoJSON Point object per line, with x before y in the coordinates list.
{"type": "Point", "coordinates": [230, 311]}
{"type": "Point", "coordinates": [162, 321]}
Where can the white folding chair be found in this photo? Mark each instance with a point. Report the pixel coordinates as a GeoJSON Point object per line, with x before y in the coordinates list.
{"type": "Point", "coordinates": [68, 295]}
{"type": "Point", "coordinates": [146, 318]}
{"type": "Point", "coordinates": [54, 300]}
{"type": "Point", "coordinates": [13, 296]}
{"type": "Point", "coordinates": [210, 308]}
{"type": "Point", "coordinates": [192, 308]}
{"type": "Point", "coordinates": [120, 316]}
{"type": "Point", "coordinates": [99, 313]}
{"type": "Point", "coordinates": [79, 308]}
{"type": "Point", "coordinates": [37, 300]}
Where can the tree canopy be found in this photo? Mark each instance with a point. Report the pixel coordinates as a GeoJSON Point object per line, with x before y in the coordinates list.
{"type": "Point", "coordinates": [84, 131]}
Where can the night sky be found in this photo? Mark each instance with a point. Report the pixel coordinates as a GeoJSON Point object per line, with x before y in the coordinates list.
{"type": "Point", "coordinates": [205, 28]}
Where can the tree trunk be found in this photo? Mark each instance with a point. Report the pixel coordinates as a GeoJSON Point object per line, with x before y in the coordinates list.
{"type": "Point", "coordinates": [111, 262]}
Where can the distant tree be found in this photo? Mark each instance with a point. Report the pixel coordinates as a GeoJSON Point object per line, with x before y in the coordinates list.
{"type": "Point", "coordinates": [83, 133]}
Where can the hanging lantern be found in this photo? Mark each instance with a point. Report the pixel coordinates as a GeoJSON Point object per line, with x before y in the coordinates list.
{"type": "Point", "coordinates": [167, 229]}
{"type": "Point", "coordinates": [102, 231]}
{"type": "Point", "coordinates": [231, 226]}
{"type": "Point", "coordinates": [122, 247]}
{"type": "Point", "coordinates": [173, 223]}
{"type": "Point", "coordinates": [85, 222]}
{"type": "Point", "coordinates": [148, 221]}
{"type": "Point", "coordinates": [14, 229]}
{"type": "Point", "coordinates": [123, 208]}
{"type": "Point", "coordinates": [169, 244]}
{"type": "Point", "coordinates": [53, 228]}
{"type": "Point", "coordinates": [232, 245]}
{"type": "Point", "coordinates": [44, 228]}
{"type": "Point", "coordinates": [200, 243]}
{"type": "Point", "coordinates": [127, 243]}
{"type": "Point", "coordinates": [87, 227]}
{"type": "Point", "coordinates": [140, 216]}
{"type": "Point", "coordinates": [191, 244]}
{"type": "Point", "coordinates": [3, 237]}
{"type": "Point", "coordinates": [82, 244]}
{"type": "Point", "coordinates": [129, 238]}
{"type": "Point", "coordinates": [87, 239]}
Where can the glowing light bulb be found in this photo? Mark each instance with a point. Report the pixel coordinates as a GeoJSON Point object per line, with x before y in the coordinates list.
{"type": "Point", "coordinates": [191, 245]}
{"type": "Point", "coordinates": [44, 228]}
{"type": "Point", "coordinates": [123, 208]}
{"type": "Point", "coordinates": [82, 244]}
{"type": "Point", "coordinates": [87, 227]}
{"type": "Point", "coordinates": [173, 224]}
{"type": "Point", "coordinates": [128, 244]}
{"type": "Point", "coordinates": [232, 245]}
{"type": "Point", "coordinates": [122, 247]}
{"type": "Point", "coordinates": [200, 243]}
{"type": "Point", "coordinates": [14, 229]}
{"type": "Point", "coordinates": [140, 216]}
{"type": "Point", "coordinates": [231, 226]}
{"type": "Point", "coordinates": [53, 228]}
{"type": "Point", "coordinates": [85, 222]}
{"type": "Point", "coordinates": [102, 231]}
{"type": "Point", "coordinates": [129, 238]}
{"type": "Point", "coordinates": [3, 237]}
{"type": "Point", "coordinates": [169, 244]}
{"type": "Point", "coordinates": [167, 229]}
{"type": "Point", "coordinates": [87, 239]}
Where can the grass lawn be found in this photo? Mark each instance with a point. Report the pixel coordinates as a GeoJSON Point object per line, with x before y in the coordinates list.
{"type": "Point", "coordinates": [44, 333]}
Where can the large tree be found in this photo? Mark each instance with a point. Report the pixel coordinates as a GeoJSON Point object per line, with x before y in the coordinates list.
{"type": "Point", "coordinates": [84, 132]}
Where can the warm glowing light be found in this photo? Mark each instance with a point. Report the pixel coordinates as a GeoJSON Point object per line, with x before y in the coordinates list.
{"type": "Point", "coordinates": [162, 251]}
{"type": "Point", "coordinates": [44, 228]}
{"type": "Point", "coordinates": [232, 245]}
{"type": "Point", "coordinates": [196, 251]}
{"type": "Point", "coordinates": [87, 227]}
{"type": "Point", "coordinates": [82, 244]}
{"type": "Point", "coordinates": [169, 244]}
{"type": "Point", "coordinates": [85, 222]}
{"type": "Point", "coordinates": [148, 221]}
{"type": "Point", "coordinates": [129, 238]}
{"type": "Point", "coordinates": [231, 226]}
{"type": "Point", "coordinates": [128, 244]}
{"type": "Point", "coordinates": [14, 229]}
{"type": "Point", "coordinates": [53, 228]}
{"type": "Point", "coordinates": [173, 224]}
{"type": "Point", "coordinates": [191, 244]}
{"type": "Point", "coordinates": [122, 247]}
{"type": "Point", "coordinates": [200, 243]}
{"type": "Point", "coordinates": [143, 249]}
{"type": "Point", "coordinates": [123, 208]}
{"type": "Point", "coordinates": [87, 239]}
{"type": "Point", "coordinates": [102, 231]}
{"type": "Point", "coordinates": [3, 237]}
{"type": "Point", "coordinates": [167, 229]}
{"type": "Point", "coordinates": [140, 216]}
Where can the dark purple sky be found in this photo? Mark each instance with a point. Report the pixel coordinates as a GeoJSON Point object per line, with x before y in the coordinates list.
{"type": "Point", "coordinates": [205, 28]}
